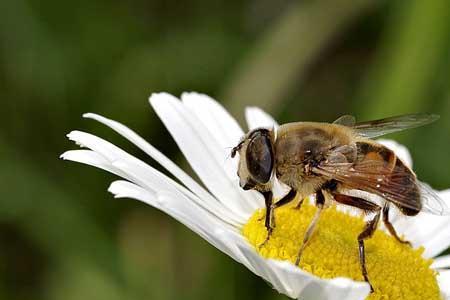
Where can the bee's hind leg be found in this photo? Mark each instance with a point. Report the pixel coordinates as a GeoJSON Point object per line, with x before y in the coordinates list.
{"type": "Point", "coordinates": [390, 227]}
{"type": "Point", "coordinates": [368, 230]}
{"type": "Point", "coordinates": [320, 201]}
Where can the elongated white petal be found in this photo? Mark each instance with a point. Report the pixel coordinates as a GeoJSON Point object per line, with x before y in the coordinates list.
{"type": "Point", "coordinates": [133, 169]}
{"type": "Point", "coordinates": [172, 203]}
{"type": "Point", "coordinates": [155, 154]}
{"type": "Point", "coordinates": [88, 157]}
{"type": "Point", "coordinates": [126, 189]}
{"type": "Point", "coordinates": [180, 208]}
{"type": "Point", "coordinates": [224, 130]}
{"type": "Point", "coordinates": [164, 201]}
{"type": "Point", "coordinates": [197, 219]}
{"type": "Point", "coordinates": [111, 153]}
{"type": "Point", "coordinates": [154, 180]}
{"type": "Point", "coordinates": [106, 149]}
{"type": "Point", "coordinates": [222, 126]}
{"type": "Point", "coordinates": [94, 159]}
{"type": "Point", "coordinates": [203, 154]}
{"type": "Point", "coordinates": [441, 262]}
{"type": "Point", "coordinates": [256, 117]}
{"type": "Point", "coordinates": [401, 151]}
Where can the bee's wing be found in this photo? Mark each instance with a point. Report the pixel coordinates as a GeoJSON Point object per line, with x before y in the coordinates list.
{"type": "Point", "coordinates": [431, 201]}
{"type": "Point", "coordinates": [346, 120]}
{"type": "Point", "coordinates": [397, 186]}
{"type": "Point", "coordinates": [372, 129]}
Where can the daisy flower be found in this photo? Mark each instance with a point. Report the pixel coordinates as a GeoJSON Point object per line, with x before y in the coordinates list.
{"type": "Point", "coordinates": [231, 219]}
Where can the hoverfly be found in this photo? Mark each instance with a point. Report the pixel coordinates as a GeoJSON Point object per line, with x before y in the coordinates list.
{"type": "Point", "coordinates": [328, 159]}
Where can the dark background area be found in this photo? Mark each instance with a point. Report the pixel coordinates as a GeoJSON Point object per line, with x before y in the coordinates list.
{"type": "Point", "coordinates": [62, 236]}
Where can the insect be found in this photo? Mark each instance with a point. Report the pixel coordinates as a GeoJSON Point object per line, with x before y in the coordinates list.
{"type": "Point", "coordinates": [328, 160]}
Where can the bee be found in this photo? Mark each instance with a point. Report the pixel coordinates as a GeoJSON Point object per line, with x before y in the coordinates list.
{"type": "Point", "coordinates": [328, 160]}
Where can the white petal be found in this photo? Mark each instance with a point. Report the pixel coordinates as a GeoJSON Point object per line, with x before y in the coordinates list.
{"type": "Point", "coordinates": [256, 117]}
{"type": "Point", "coordinates": [401, 151]}
{"type": "Point", "coordinates": [133, 169]}
{"type": "Point", "coordinates": [155, 154]}
{"type": "Point", "coordinates": [298, 284]}
{"type": "Point", "coordinates": [126, 189]}
{"type": "Point", "coordinates": [106, 149]}
{"type": "Point", "coordinates": [203, 154]}
{"type": "Point", "coordinates": [196, 218]}
{"type": "Point", "coordinates": [216, 119]}
{"type": "Point", "coordinates": [154, 180]}
{"type": "Point", "coordinates": [113, 155]}
{"type": "Point", "coordinates": [430, 231]}
{"type": "Point", "coordinates": [180, 208]}
{"type": "Point", "coordinates": [441, 262]}
{"type": "Point", "coordinates": [88, 157]}
{"type": "Point", "coordinates": [233, 240]}
{"type": "Point", "coordinates": [224, 130]}
{"type": "Point", "coordinates": [444, 283]}
{"type": "Point", "coordinates": [94, 159]}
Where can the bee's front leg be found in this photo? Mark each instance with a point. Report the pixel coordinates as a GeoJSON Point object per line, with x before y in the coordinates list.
{"type": "Point", "coordinates": [299, 204]}
{"type": "Point", "coordinates": [286, 199]}
{"type": "Point", "coordinates": [283, 201]}
{"type": "Point", "coordinates": [269, 219]}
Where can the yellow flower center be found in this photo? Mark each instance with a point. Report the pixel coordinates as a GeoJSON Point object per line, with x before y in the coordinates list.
{"type": "Point", "coordinates": [395, 270]}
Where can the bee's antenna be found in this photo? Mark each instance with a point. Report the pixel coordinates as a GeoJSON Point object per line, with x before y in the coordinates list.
{"type": "Point", "coordinates": [232, 153]}
{"type": "Point", "coordinates": [226, 158]}
{"type": "Point", "coordinates": [235, 149]}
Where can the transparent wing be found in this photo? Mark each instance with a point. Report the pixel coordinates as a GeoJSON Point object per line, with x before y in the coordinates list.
{"type": "Point", "coordinates": [397, 185]}
{"type": "Point", "coordinates": [431, 201]}
{"type": "Point", "coordinates": [346, 120]}
{"type": "Point", "coordinates": [371, 129]}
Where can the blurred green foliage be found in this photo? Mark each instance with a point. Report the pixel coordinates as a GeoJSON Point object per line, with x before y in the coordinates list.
{"type": "Point", "coordinates": [63, 236]}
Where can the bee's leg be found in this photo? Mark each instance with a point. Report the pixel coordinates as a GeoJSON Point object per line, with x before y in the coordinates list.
{"type": "Point", "coordinates": [389, 225]}
{"type": "Point", "coordinates": [283, 201]}
{"type": "Point", "coordinates": [368, 231]}
{"type": "Point", "coordinates": [269, 219]}
{"type": "Point", "coordinates": [286, 199]}
{"type": "Point", "coordinates": [320, 201]}
{"type": "Point", "coordinates": [299, 204]}
{"type": "Point", "coordinates": [360, 203]}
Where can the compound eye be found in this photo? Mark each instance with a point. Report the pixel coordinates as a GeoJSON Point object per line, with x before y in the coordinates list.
{"type": "Point", "coordinates": [259, 158]}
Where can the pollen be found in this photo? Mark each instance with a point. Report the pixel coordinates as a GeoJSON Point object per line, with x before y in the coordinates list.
{"type": "Point", "coordinates": [395, 270]}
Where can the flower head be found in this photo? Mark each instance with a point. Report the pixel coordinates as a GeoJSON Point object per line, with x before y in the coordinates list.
{"type": "Point", "coordinates": [229, 217]}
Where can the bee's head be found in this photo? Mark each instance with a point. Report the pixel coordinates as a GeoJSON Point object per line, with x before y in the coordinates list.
{"type": "Point", "coordinates": [256, 158]}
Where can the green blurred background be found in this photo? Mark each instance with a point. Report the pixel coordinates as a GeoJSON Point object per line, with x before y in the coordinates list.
{"type": "Point", "coordinates": [62, 236]}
